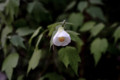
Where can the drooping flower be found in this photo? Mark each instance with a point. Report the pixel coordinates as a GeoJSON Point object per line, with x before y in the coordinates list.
{"type": "Point", "coordinates": [61, 38]}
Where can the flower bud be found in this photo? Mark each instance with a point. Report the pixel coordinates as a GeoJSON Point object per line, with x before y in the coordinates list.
{"type": "Point", "coordinates": [61, 38]}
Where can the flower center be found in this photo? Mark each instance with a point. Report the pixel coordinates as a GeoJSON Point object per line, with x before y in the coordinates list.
{"type": "Point", "coordinates": [61, 39]}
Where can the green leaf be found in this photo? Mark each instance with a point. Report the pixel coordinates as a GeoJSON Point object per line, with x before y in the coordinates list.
{"type": "Point", "coordinates": [82, 5]}
{"type": "Point", "coordinates": [9, 63]}
{"type": "Point", "coordinates": [51, 40]}
{"type": "Point", "coordinates": [34, 61]}
{"type": "Point", "coordinates": [98, 46]}
{"type": "Point", "coordinates": [5, 32]}
{"type": "Point", "coordinates": [11, 9]}
{"type": "Point", "coordinates": [24, 31]}
{"type": "Point", "coordinates": [74, 36]}
{"type": "Point", "coordinates": [37, 11]}
{"type": "Point", "coordinates": [96, 29]}
{"type": "Point", "coordinates": [52, 76]}
{"type": "Point", "coordinates": [35, 5]}
{"type": "Point", "coordinates": [77, 20]}
{"type": "Point", "coordinates": [96, 1]}
{"type": "Point", "coordinates": [17, 41]}
{"type": "Point", "coordinates": [96, 12]}
{"type": "Point", "coordinates": [69, 56]}
{"type": "Point", "coordinates": [39, 38]}
{"type": "Point", "coordinates": [34, 34]}
{"type": "Point", "coordinates": [2, 6]}
{"type": "Point", "coordinates": [52, 28]}
{"type": "Point", "coordinates": [116, 34]}
{"type": "Point", "coordinates": [70, 6]}
{"type": "Point", "coordinates": [87, 26]}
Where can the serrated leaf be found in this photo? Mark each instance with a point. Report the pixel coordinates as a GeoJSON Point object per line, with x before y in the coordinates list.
{"type": "Point", "coordinates": [98, 46]}
{"type": "Point", "coordinates": [24, 31]}
{"type": "Point", "coordinates": [17, 41]}
{"type": "Point", "coordinates": [9, 63]}
{"type": "Point", "coordinates": [116, 34]}
{"type": "Point", "coordinates": [69, 56]}
{"type": "Point", "coordinates": [96, 12]}
{"type": "Point", "coordinates": [96, 1]}
{"type": "Point", "coordinates": [82, 5]}
{"type": "Point", "coordinates": [87, 26]}
{"type": "Point", "coordinates": [96, 29]}
{"type": "Point", "coordinates": [52, 28]}
{"type": "Point", "coordinates": [34, 61]}
{"type": "Point", "coordinates": [34, 34]}
{"type": "Point", "coordinates": [52, 76]}
{"type": "Point", "coordinates": [77, 20]}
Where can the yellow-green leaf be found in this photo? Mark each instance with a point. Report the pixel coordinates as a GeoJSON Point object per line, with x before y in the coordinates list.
{"type": "Point", "coordinates": [116, 34]}
{"type": "Point", "coordinates": [9, 63]}
{"type": "Point", "coordinates": [34, 61]}
{"type": "Point", "coordinates": [98, 46]}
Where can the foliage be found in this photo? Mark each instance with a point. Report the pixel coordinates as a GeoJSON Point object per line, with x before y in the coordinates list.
{"type": "Point", "coordinates": [28, 26]}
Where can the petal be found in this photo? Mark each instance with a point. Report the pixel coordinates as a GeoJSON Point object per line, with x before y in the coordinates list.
{"type": "Point", "coordinates": [67, 41]}
{"type": "Point", "coordinates": [56, 41]}
{"type": "Point", "coordinates": [61, 33]}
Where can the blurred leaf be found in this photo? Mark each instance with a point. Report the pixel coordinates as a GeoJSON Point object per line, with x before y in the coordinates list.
{"type": "Point", "coordinates": [96, 12]}
{"type": "Point", "coordinates": [9, 63]}
{"type": "Point", "coordinates": [81, 79]}
{"type": "Point", "coordinates": [72, 32]}
{"type": "Point", "coordinates": [39, 38]}
{"type": "Point", "coordinates": [98, 46]}
{"type": "Point", "coordinates": [24, 31]}
{"type": "Point", "coordinates": [34, 61]}
{"type": "Point", "coordinates": [51, 40]}
{"type": "Point", "coordinates": [96, 30]}
{"type": "Point", "coordinates": [69, 56]}
{"type": "Point", "coordinates": [77, 19]}
{"type": "Point", "coordinates": [20, 23]}
{"type": "Point", "coordinates": [116, 34]}
{"type": "Point", "coordinates": [96, 1]}
{"type": "Point", "coordinates": [5, 32]}
{"type": "Point", "coordinates": [52, 28]}
{"type": "Point", "coordinates": [17, 41]}
{"type": "Point", "coordinates": [70, 6]}
{"type": "Point", "coordinates": [37, 10]}
{"type": "Point", "coordinates": [82, 5]}
{"type": "Point", "coordinates": [20, 77]}
{"type": "Point", "coordinates": [34, 34]}
{"type": "Point", "coordinates": [12, 9]}
{"type": "Point", "coordinates": [52, 76]}
{"type": "Point", "coordinates": [74, 36]}
{"type": "Point", "coordinates": [34, 5]}
{"type": "Point", "coordinates": [2, 6]}
{"type": "Point", "coordinates": [87, 26]}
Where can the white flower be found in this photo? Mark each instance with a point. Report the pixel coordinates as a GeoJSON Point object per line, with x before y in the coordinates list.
{"type": "Point", "coordinates": [61, 38]}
